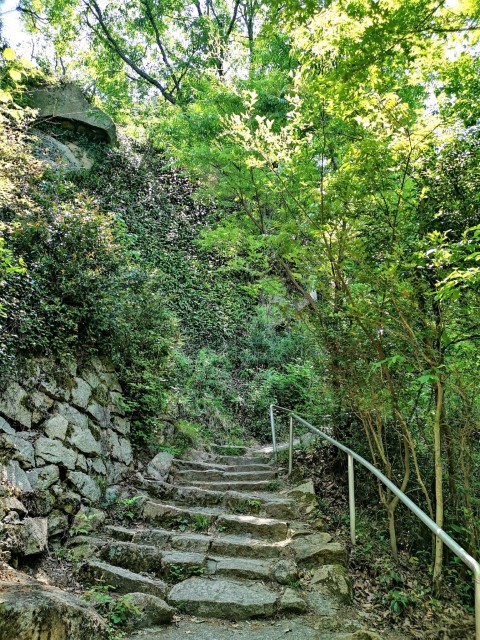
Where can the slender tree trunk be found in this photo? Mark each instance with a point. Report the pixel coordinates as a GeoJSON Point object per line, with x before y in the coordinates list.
{"type": "Point", "coordinates": [439, 513]}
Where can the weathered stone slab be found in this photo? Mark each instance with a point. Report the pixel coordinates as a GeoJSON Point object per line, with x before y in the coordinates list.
{"type": "Point", "coordinates": [10, 503]}
{"type": "Point", "coordinates": [117, 403]}
{"type": "Point", "coordinates": [180, 565]}
{"type": "Point", "coordinates": [83, 440]}
{"type": "Point", "coordinates": [34, 535]}
{"type": "Point", "coordinates": [116, 472]}
{"type": "Point", "coordinates": [333, 580]}
{"type": "Point", "coordinates": [53, 390]}
{"type": "Point", "coordinates": [223, 599]}
{"type": "Point", "coordinates": [155, 537]}
{"type": "Point", "coordinates": [120, 533]}
{"type": "Point", "coordinates": [72, 415]}
{"type": "Point", "coordinates": [100, 413]}
{"type": "Point", "coordinates": [243, 568]}
{"type": "Point", "coordinates": [98, 466]}
{"type": "Point", "coordinates": [12, 405]}
{"type": "Point", "coordinates": [314, 550]}
{"type": "Point", "coordinates": [43, 477]}
{"type": "Point", "coordinates": [110, 380]}
{"type": "Point", "coordinates": [159, 467]}
{"type": "Point", "coordinates": [40, 404]}
{"type": "Point", "coordinates": [81, 393]}
{"type": "Point", "coordinates": [91, 378]}
{"type": "Point", "coordinates": [152, 611]}
{"type": "Point", "coordinates": [122, 425]}
{"type": "Point", "coordinates": [57, 523]}
{"type": "Point", "coordinates": [134, 557]}
{"type": "Point", "coordinates": [56, 427]}
{"type": "Point", "coordinates": [81, 462]}
{"type": "Point", "coordinates": [54, 451]}
{"type": "Point", "coordinates": [257, 527]}
{"type": "Point", "coordinates": [85, 485]}
{"type": "Point", "coordinates": [245, 547]}
{"type": "Point", "coordinates": [15, 475]}
{"type": "Point", "coordinates": [18, 448]}
{"type": "Point", "coordinates": [192, 542]}
{"type": "Point", "coordinates": [304, 493]}
{"type": "Point", "coordinates": [121, 448]}
{"type": "Point", "coordinates": [291, 602]}
{"type": "Point", "coordinates": [284, 571]}
{"type": "Point", "coordinates": [123, 580]}
{"type": "Point", "coordinates": [5, 427]}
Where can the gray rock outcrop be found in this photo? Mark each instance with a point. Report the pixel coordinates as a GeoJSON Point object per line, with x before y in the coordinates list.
{"type": "Point", "coordinates": [67, 103]}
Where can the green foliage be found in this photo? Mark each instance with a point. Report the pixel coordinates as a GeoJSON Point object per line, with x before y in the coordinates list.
{"type": "Point", "coordinates": [178, 572]}
{"type": "Point", "coordinates": [119, 611]}
{"type": "Point", "coordinates": [84, 524]}
{"type": "Point", "coordinates": [200, 523]}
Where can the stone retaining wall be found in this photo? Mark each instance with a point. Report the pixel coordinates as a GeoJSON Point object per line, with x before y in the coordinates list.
{"type": "Point", "coordinates": [63, 441]}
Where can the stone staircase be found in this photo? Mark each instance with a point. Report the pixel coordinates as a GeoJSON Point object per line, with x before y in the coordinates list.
{"type": "Point", "coordinates": [226, 540]}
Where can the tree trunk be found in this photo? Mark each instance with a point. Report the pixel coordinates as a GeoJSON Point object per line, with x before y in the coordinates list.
{"type": "Point", "coordinates": [439, 514]}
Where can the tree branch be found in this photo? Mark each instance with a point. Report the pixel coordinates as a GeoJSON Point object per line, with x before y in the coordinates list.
{"type": "Point", "coordinates": [163, 53]}
{"type": "Point", "coordinates": [95, 10]}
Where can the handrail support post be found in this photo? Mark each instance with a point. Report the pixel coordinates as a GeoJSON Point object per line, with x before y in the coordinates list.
{"type": "Point", "coordinates": [351, 497]}
{"type": "Point", "coordinates": [290, 448]}
{"type": "Point", "coordinates": [477, 605]}
{"type": "Point", "coordinates": [274, 437]}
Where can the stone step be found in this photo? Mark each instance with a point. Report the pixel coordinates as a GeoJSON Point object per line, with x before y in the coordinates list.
{"type": "Point", "coordinates": [235, 485]}
{"type": "Point", "coordinates": [132, 556]}
{"type": "Point", "coordinates": [240, 467]}
{"type": "Point", "coordinates": [180, 565]}
{"type": "Point", "coordinates": [259, 528]}
{"type": "Point", "coordinates": [266, 503]}
{"type": "Point", "coordinates": [202, 518]}
{"type": "Point", "coordinates": [245, 547]}
{"type": "Point", "coordinates": [176, 565]}
{"type": "Point", "coordinates": [243, 460]}
{"type": "Point", "coordinates": [233, 545]}
{"type": "Point", "coordinates": [221, 598]}
{"type": "Point", "coordinates": [227, 449]}
{"type": "Point", "coordinates": [173, 517]}
{"type": "Point", "coordinates": [242, 568]}
{"type": "Point", "coordinates": [191, 476]}
{"type": "Point", "coordinates": [280, 571]}
{"type": "Point", "coordinates": [123, 580]}
{"type": "Point", "coordinates": [298, 628]}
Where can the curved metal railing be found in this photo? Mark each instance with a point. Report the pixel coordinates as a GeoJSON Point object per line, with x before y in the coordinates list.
{"type": "Point", "coordinates": [421, 515]}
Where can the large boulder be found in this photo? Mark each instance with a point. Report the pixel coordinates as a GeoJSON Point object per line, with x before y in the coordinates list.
{"type": "Point", "coordinates": [29, 609]}
{"type": "Point", "coordinates": [67, 103]}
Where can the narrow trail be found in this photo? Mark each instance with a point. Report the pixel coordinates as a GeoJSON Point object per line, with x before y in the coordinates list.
{"type": "Point", "coordinates": [227, 544]}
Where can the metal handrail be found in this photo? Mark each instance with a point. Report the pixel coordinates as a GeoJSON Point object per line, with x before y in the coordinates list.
{"type": "Point", "coordinates": [421, 515]}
